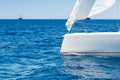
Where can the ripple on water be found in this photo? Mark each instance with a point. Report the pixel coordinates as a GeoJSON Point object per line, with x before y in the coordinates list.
{"type": "Point", "coordinates": [30, 50]}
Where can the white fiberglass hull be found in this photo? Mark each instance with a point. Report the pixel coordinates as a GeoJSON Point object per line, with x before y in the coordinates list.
{"type": "Point", "coordinates": [108, 42]}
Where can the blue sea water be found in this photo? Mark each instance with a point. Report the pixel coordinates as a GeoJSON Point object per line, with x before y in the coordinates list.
{"type": "Point", "coordinates": [30, 50]}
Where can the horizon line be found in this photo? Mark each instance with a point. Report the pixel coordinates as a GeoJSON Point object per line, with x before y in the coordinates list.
{"type": "Point", "coordinates": [49, 19]}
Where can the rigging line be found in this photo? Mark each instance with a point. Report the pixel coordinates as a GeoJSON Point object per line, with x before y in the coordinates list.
{"type": "Point", "coordinates": [119, 14]}
{"type": "Point", "coordinates": [118, 7]}
{"type": "Point", "coordinates": [84, 26]}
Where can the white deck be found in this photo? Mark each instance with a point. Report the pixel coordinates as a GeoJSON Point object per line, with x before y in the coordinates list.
{"type": "Point", "coordinates": [107, 42]}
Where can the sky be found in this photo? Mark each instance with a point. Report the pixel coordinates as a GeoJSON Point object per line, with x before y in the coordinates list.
{"type": "Point", "coordinates": [43, 9]}
{"type": "Point", "coordinates": [36, 9]}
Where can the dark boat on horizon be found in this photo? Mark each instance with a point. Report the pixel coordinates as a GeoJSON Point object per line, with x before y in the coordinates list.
{"type": "Point", "coordinates": [20, 17]}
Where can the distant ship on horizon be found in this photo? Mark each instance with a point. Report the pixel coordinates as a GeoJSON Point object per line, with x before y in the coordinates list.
{"type": "Point", "coordinates": [20, 17]}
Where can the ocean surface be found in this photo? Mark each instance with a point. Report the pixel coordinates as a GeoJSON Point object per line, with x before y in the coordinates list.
{"type": "Point", "coordinates": [30, 50]}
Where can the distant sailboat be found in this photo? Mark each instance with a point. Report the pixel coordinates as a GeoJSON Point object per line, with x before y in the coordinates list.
{"type": "Point", "coordinates": [95, 42]}
{"type": "Point", "coordinates": [20, 17]}
{"type": "Point", "coordinates": [87, 18]}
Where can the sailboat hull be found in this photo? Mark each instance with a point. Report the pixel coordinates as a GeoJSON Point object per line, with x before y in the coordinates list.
{"type": "Point", "coordinates": [108, 42]}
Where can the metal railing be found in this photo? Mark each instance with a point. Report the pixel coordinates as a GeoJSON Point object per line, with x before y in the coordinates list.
{"type": "Point", "coordinates": [84, 29]}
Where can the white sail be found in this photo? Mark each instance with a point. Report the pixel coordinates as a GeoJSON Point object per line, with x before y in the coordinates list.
{"type": "Point", "coordinates": [100, 6]}
{"type": "Point", "coordinates": [80, 11]}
